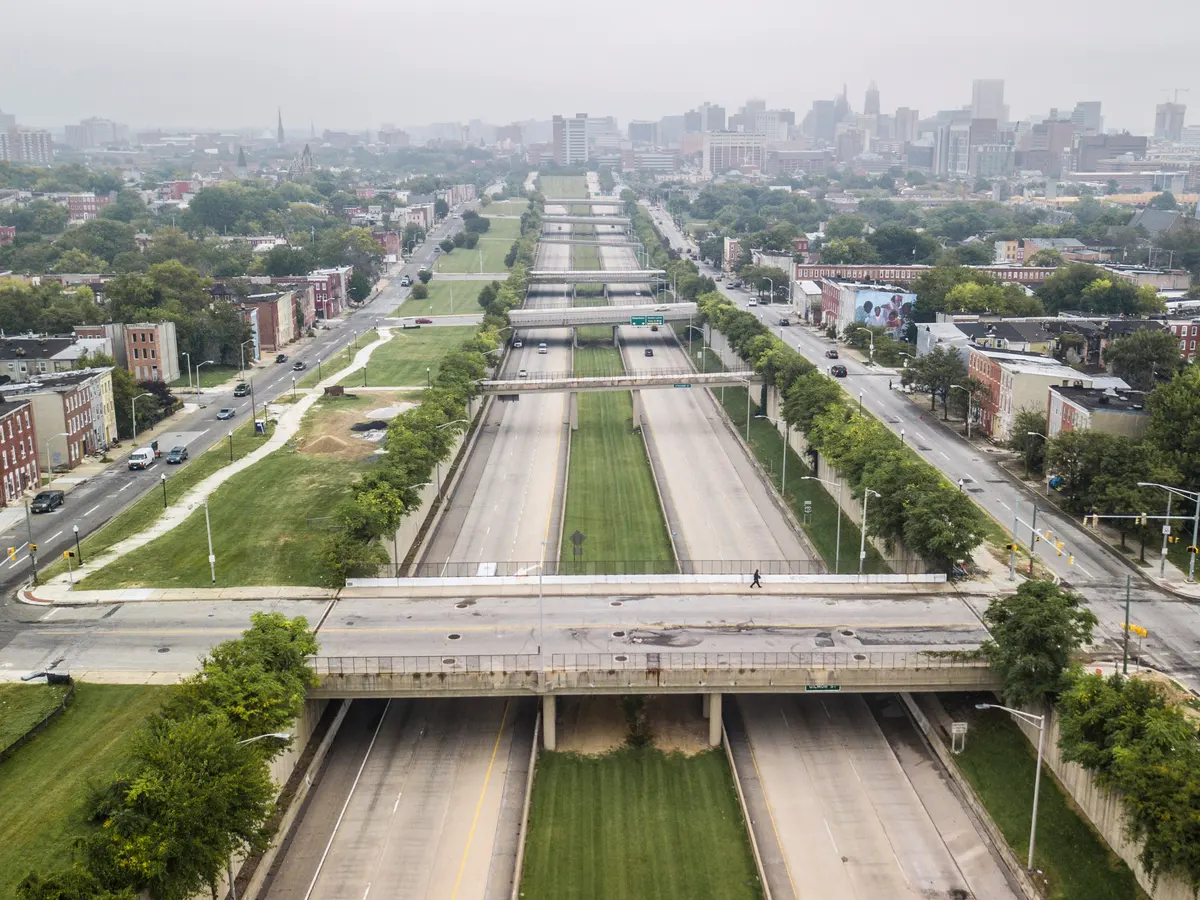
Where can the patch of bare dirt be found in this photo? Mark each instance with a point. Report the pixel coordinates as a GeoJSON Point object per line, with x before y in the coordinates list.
{"type": "Point", "coordinates": [677, 723]}
{"type": "Point", "coordinates": [591, 725]}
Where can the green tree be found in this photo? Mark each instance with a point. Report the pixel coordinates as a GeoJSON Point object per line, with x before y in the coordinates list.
{"type": "Point", "coordinates": [74, 884]}
{"type": "Point", "coordinates": [1175, 422]}
{"type": "Point", "coordinates": [1141, 358]}
{"type": "Point", "coordinates": [903, 246]}
{"type": "Point", "coordinates": [935, 374]}
{"type": "Point", "coordinates": [1027, 425]}
{"type": "Point", "coordinates": [809, 396]}
{"type": "Point", "coordinates": [943, 525]}
{"type": "Point", "coordinates": [447, 245]}
{"type": "Point", "coordinates": [1085, 288]}
{"type": "Point", "coordinates": [360, 286]}
{"type": "Point", "coordinates": [1032, 635]}
{"type": "Point", "coordinates": [1046, 257]}
{"type": "Point", "coordinates": [104, 238]}
{"type": "Point", "coordinates": [419, 291]}
{"type": "Point", "coordinates": [1007, 300]}
{"type": "Point", "coordinates": [933, 286]}
{"type": "Point", "coordinates": [1165, 200]}
{"type": "Point", "coordinates": [840, 227]}
{"type": "Point", "coordinates": [851, 251]}
{"type": "Point", "coordinates": [425, 276]}
{"type": "Point", "coordinates": [441, 208]}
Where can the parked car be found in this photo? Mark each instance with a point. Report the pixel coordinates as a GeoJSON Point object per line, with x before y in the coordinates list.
{"type": "Point", "coordinates": [226, 412]}
{"type": "Point", "coordinates": [837, 371]}
{"type": "Point", "coordinates": [142, 458]}
{"type": "Point", "coordinates": [299, 365]}
{"type": "Point", "coordinates": [424, 321]}
{"type": "Point", "coordinates": [177, 455]}
{"type": "Point", "coordinates": [280, 357]}
{"type": "Point", "coordinates": [241, 390]}
{"type": "Point", "coordinates": [649, 351]}
{"type": "Point", "coordinates": [831, 354]}
{"type": "Point", "coordinates": [46, 501]}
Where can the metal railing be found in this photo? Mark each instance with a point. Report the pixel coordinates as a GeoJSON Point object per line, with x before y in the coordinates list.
{"type": "Point", "coordinates": [721, 567]}
{"type": "Point", "coordinates": [650, 662]}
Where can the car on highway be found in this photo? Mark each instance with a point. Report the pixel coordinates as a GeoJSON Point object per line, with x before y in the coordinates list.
{"type": "Point", "coordinates": [518, 343]}
{"type": "Point", "coordinates": [280, 357]}
{"type": "Point", "coordinates": [424, 321]}
{"type": "Point", "coordinates": [831, 354]}
{"type": "Point", "coordinates": [241, 390]}
{"type": "Point", "coordinates": [542, 348]}
{"type": "Point", "coordinates": [837, 371]}
{"type": "Point", "coordinates": [649, 351]}
{"type": "Point", "coordinates": [177, 456]}
{"type": "Point", "coordinates": [299, 365]}
{"type": "Point", "coordinates": [47, 501]}
{"type": "Point", "coordinates": [524, 373]}
{"type": "Point", "coordinates": [660, 309]}
{"type": "Point", "coordinates": [226, 412]}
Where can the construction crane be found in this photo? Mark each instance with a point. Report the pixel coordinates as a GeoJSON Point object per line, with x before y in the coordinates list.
{"type": "Point", "coordinates": [1178, 91]}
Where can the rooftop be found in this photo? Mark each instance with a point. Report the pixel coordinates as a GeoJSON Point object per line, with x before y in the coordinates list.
{"type": "Point", "coordinates": [1104, 398]}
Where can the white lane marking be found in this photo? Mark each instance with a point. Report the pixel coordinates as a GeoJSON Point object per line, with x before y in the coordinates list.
{"type": "Point", "coordinates": [92, 510]}
{"type": "Point", "coordinates": [1005, 505]}
{"type": "Point", "coordinates": [944, 456]}
{"type": "Point", "coordinates": [836, 852]}
{"type": "Point", "coordinates": [398, 796]}
{"type": "Point", "coordinates": [52, 537]}
{"type": "Point", "coordinates": [203, 433]}
{"type": "Point", "coordinates": [16, 562]}
{"type": "Point", "coordinates": [48, 616]}
{"type": "Point", "coordinates": [1084, 571]}
{"type": "Point", "coordinates": [129, 485]}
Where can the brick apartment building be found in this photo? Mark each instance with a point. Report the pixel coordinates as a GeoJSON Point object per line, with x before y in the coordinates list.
{"type": "Point", "coordinates": [19, 469]}
{"type": "Point", "coordinates": [73, 412]}
{"type": "Point", "coordinates": [332, 290]}
{"type": "Point", "coordinates": [1188, 332]}
{"type": "Point", "coordinates": [272, 319]}
{"type": "Point", "coordinates": [1098, 409]}
{"type": "Point", "coordinates": [8, 234]}
{"type": "Point", "coordinates": [148, 350]}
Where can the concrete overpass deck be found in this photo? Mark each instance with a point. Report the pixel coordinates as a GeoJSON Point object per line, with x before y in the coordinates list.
{"type": "Point", "coordinates": [615, 241]}
{"type": "Point", "coordinates": [562, 382]}
{"type": "Point", "coordinates": [571, 316]}
{"type": "Point", "coordinates": [590, 201]}
{"type": "Point", "coordinates": [594, 276]}
{"type": "Point", "coordinates": [587, 220]}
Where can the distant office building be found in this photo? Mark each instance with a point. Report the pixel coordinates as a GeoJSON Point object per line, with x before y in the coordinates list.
{"type": "Point", "coordinates": [23, 145]}
{"type": "Point", "coordinates": [1045, 146]}
{"type": "Point", "coordinates": [7, 121]}
{"type": "Point", "coordinates": [906, 129]}
{"type": "Point", "coordinates": [713, 116]}
{"type": "Point", "coordinates": [952, 150]}
{"type": "Point", "coordinates": [871, 104]}
{"type": "Point", "coordinates": [1086, 117]}
{"type": "Point", "coordinates": [96, 132]}
{"type": "Point", "coordinates": [1168, 121]}
{"type": "Point", "coordinates": [670, 130]}
{"type": "Point", "coordinates": [642, 132]}
{"type": "Point", "coordinates": [570, 140]}
{"type": "Point", "coordinates": [725, 150]}
{"type": "Point", "coordinates": [987, 99]}
{"type": "Point", "coordinates": [693, 121]}
{"type": "Point", "coordinates": [1092, 150]}
{"type": "Point", "coordinates": [799, 162]}
{"type": "Point", "coordinates": [772, 123]}
{"type": "Point", "coordinates": [823, 120]}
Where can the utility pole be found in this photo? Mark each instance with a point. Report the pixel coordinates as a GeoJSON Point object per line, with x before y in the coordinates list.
{"type": "Point", "coordinates": [1125, 629]}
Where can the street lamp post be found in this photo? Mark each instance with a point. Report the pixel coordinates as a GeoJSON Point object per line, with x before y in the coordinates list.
{"type": "Point", "coordinates": [163, 479]}
{"type": "Point", "coordinates": [293, 387]}
{"type": "Point", "coordinates": [872, 351]}
{"type": "Point", "coordinates": [787, 440]}
{"type": "Point", "coordinates": [212, 559]}
{"type": "Point", "coordinates": [189, 367]}
{"type": "Point", "coordinates": [242, 355]}
{"type": "Point", "coordinates": [1194, 496]}
{"type": "Point", "coordinates": [78, 549]}
{"type": "Point", "coordinates": [970, 399]}
{"type": "Point", "coordinates": [231, 446]}
{"type": "Point", "coordinates": [133, 413]}
{"type": "Point", "coordinates": [207, 362]}
{"type": "Point", "coordinates": [837, 552]}
{"type": "Point", "coordinates": [428, 377]}
{"type": "Point", "coordinates": [770, 281]}
{"type": "Point", "coordinates": [862, 541]}
{"type": "Point", "coordinates": [1040, 722]}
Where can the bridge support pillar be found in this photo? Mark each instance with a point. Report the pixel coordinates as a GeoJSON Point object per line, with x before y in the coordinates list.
{"type": "Point", "coordinates": [573, 410]}
{"type": "Point", "coordinates": [549, 738]}
{"type": "Point", "coordinates": [574, 337]}
{"type": "Point", "coordinates": [637, 408]}
{"type": "Point", "coordinates": [714, 720]}
{"type": "Point", "coordinates": [705, 704]}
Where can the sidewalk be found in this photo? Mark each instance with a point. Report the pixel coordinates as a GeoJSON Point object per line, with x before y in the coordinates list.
{"type": "Point", "coordinates": [288, 420]}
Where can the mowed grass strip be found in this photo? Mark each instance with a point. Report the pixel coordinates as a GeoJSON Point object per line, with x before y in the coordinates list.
{"type": "Point", "coordinates": [445, 298]}
{"type": "Point", "coordinates": [611, 497]}
{"type": "Point", "coordinates": [24, 705]}
{"type": "Point", "coordinates": [337, 361]}
{"type": "Point", "coordinates": [490, 251]}
{"type": "Point", "coordinates": [563, 186]}
{"type": "Point", "coordinates": [210, 376]}
{"type": "Point", "coordinates": [402, 361]}
{"type": "Point", "coordinates": [45, 786]}
{"type": "Point", "coordinates": [585, 256]}
{"type": "Point", "coordinates": [999, 763]}
{"type": "Point", "coordinates": [504, 208]}
{"type": "Point", "coordinates": [636, 824]}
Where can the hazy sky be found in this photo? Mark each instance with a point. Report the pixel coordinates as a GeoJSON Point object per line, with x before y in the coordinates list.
{"type": "Point", "coordinates": [357, 63]}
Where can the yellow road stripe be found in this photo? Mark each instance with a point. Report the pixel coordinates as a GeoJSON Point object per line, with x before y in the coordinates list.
{"type": "Point", "coordinates": [479, 806]}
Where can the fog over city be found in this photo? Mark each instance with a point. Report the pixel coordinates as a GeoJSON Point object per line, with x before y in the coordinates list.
{"type": "Point", "coordinates": [355, 64]}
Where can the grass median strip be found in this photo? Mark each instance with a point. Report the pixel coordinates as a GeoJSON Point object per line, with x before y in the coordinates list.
{"type": "Point", "coordinates": [611, 497]}
{"type": "Point", "coordinates": [335, 362]}
{"type": "Point", "coordinates": [45, 786]}
{"type": "Point", "coordinates": [403, 360]}
{"type": "Point", "coordinates": [563, 186]}
{"type": "Point", "coordinates": [636, 823]}
{"type": "Point", "coordinates": [445, 298]}
{"type": "Point", "coordinates": [488, 256]}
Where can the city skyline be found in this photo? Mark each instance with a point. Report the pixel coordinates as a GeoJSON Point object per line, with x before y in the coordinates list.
{"type": "Point", "coordinates": [175, 80]}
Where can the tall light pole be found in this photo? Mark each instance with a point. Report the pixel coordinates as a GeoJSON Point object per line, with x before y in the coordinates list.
{"type": "Point", "coordinates": [970, 400]}
{"type": "Point", "coordinates": [771, 281]}
{"type": "Point", "coordinates": [163, 479]}
{"type": "Point", "coordinates": [862, 540]}
{"type": "Point", "coordinates": [787, 440]}
{"type": "Point", "coordinates": [1194, 496]}
{"type": "Point", "coordinates": [212, 559]}
{"type": "Point", "coordinates": [242, 355]}
{"type": "Point", "coordinates": [1040, 722]}
{"type": "Point", "coordinates": [837, 553]}
{"type": "Point", "coordinates": [207, 362]}
{"type": "Point", "coordinates": [231, 446]}
{"type": "Point", "coordinates": [872, 334]}
{"type": "Point", "coordinates": [189, 367]}
{"type": "Point", "coordinates": [133, 413]}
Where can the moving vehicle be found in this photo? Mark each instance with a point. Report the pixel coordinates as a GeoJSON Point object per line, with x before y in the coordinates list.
{"type": "Point", "coordinates": [405, 281]}
{"type": "Point", "coordinates": [542, 347]}
{"type": "Point", "coordinates": [831, 354]}
{"type": "Point", "coordinates": [424, 321]}
{"type": "Point", "coordinates": [753, 302]}
{"type": "Point", "coordinates": [524, 373]}
{"type": "Point", "coordinates": [299, 365]}
{"type": "Point", "coordinates": [837, 371]}
{"type": "Point", "coordinates": [46, 501]}
{"type": "Point", "coordinates": [518, 343]}
{"type": "Point", "coordinates": [142, 458]}
{"type": "Point", "coordinates": [784, 321]}
{"type": "Point", "coordinates": [649, 351]}
{"type": "Point", "coordinates": [177, 456]}
{"type": "Point", "coordinates": [226, 412]}
{"type": "Point", "coordinates": [241, 390]}
{"type": "Point", "coordinates": [660, 309]}
{"type": "Point", "coordinates": [280, 357]}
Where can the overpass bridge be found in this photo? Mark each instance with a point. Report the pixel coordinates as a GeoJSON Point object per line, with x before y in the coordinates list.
{"type": "Point", "coordinates": [594, 276]}
{"type": "Point", "coordinates": [599, 242]}
{"type": "Point", "coordinates": [565, 382]}
{"type": "Point", "coordinates": [587, 220]}
{"type": "Point", "coordinates": [590, 201]}
{"type": "Point", "coordinates": [572, 316]}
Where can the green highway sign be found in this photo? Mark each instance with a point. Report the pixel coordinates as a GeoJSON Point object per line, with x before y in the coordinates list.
{"type": "Point", "coordinates": [821, 688]}
{"type": "Point", "coordinates": [683, 385]}
{"type": "Point", "coordinates": [647, 320]}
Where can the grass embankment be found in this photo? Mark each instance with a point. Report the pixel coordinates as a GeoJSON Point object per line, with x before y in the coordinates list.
{"type": "Point", "coordinates": [180, 479]}
{"type": "Point", "coordinates": [821, 524]}
{"type": "Point", "coordinates": [999, 763]}
{"type": "Point", "coordinates": [445, 298]}
{"type": "Point", "coordinates": [45, 786]}
{"type": "Point", "coordinates": [268, 519]}
{"type": "Point", "coordinates": [210, 376]}
{"type": "Point", "coordinates": [633, 824]}
{"type": "Point", "coordinates": [611, 497]}
{"type": "Point", "coordinates": [24, 705]}
{"type": "Point", "coordinates": [563, 186]}
{"type": "Point", "coordinates": [402, 361]}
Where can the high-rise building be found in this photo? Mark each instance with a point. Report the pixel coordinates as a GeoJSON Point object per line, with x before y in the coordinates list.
{"type": "Point", "coordinates": [1086, 117]}
{"type": "Point", "coordinates": [823, 119]}
{"type": "Point", "coordinates": [571, 140]}
{"type": "Point", "coordinates": [713, 117]}
{"type": "Point", "coordinates": [670, 130]}
{"type": "Point", "coordinates": [987, 99]}
{"type": "Point", "coordinates": [7, 121]}
{"type": "Point", "coordinates": [693, 121]}
{"type": "Point", "coordinates": [96, 132]}
{"type": "Point", "coordinates": [26, 145]}
{"type": "Point", "coordinates": [725, 150]}
{"type": "Point", "coordinates": [906, 130]}
{"type": "Point", "coordinates": [279, 130]}
{"type": "Point", "coordinates": [1168, 121]}
{"type": "Point", "coordinates": [642, 132]}
{"type": "Point", "coordinates": [1092, 150]}
{"type": "Point", "coordinates": [871, 105]}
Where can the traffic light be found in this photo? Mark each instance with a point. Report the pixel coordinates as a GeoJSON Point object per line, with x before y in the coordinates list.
{"type": "Point", "coordinates": [1059, 547]}
{"type": "Point", "coordinates": [1193, 549]}
{"type": "Point", "coordinates": [68, 554]}
{"type": "Point", "coordinates": [33, 548]}
{"type": "Point", "coordinates": [1143, 519]}
{"type": "Point", "coordinates": [12, 552]}
{"type": "Point", "coordinates": [1010, 546]}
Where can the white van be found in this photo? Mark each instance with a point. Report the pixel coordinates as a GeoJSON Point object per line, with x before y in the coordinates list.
{"type": "Point", "coordinates": [141, 459]}
{"type": "Point", "coordinates": [542, 348]}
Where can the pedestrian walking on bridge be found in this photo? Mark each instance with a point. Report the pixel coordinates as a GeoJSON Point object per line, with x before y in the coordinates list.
{"type": "Point", "coordinates": [756, 582]}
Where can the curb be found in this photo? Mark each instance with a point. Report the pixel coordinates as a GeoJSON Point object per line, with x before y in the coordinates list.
{"type": "Point", "coordinates": [523, 831]}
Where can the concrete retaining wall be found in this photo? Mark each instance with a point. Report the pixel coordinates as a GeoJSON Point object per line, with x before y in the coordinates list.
{"type": "Point", "coordinates": [523, 833]}
{"type": "Point", "coordinates": [749, 823]}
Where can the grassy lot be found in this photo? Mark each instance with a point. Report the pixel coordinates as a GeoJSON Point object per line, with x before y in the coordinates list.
{"type": "Point", "coordinates": [462, 260]}
{"type": "Point", "coordinates": [563, 186]}
{"type": "Point", "coordinates": [464, 295]}
{"type": "Point", "coordinates": [610, 495]}
{"type": "Point", "coordinates": [634, 824]}
{"type": "Point", "coordinates": [180, 479]}
{"type": "Point", "coordinates": [210, 376]}
{"type": "Point", "coordinates": [999, 762]}
{"type": "Point", "coordinates": [271, 538]}
{"type": "Point", "coordinates": [502, 230]}
{"type": "Point", "coordinates": [44, 787]}
{"type": "Point", "coordinates": [584, 256]}
{"type": "Point", "coordinates": [24, 705]}
{"type": "Point", "coordinates": [402, 361]}
{"type": "Point", "coordinates": [337, 361]}
{"type": "Point", "coordinates": [504, 208]}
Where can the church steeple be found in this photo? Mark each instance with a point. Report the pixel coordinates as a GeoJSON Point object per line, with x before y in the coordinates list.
{"type": "Point", "coordinates": [279, 131]}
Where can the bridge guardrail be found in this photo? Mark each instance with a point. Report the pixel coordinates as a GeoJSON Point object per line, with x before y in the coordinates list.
{"type": "Point", "coordinates": [727, 567]}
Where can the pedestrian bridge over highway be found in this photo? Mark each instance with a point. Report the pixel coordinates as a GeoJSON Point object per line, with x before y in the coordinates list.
{"type": "Point", "coordinates": [566, 238]}
{"type": "Point", "coordinates": [564, 382]}
{"type": "Point", "coordinates": [570, 316]}
{"type": "Point", "coordinates": [586, 220]}
{"type": "Point", "coordinates": [594, 276]}
{"type": "Point", "coordinates": [590, 201]}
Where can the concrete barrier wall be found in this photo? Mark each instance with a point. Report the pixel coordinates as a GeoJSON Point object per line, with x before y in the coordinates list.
{"type": "Point", "coordinates": [523, 832]}
{"type": "Point", "coordinates": [749, 823]}
{"type": "Point", "coordinates": [1103, 808]}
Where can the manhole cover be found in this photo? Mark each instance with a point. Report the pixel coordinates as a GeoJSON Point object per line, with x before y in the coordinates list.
{"type": "Point", "coordinates": [462, 605]}
{"type": "Point", "coordinates": [448, 660]}
{"type": "Point", "coordinates": [454, 635]}
{"type": "Point", "coordinates": [859, 656]}
{"type": "Point", "coordinates": [614, 603]}
{"type": "Point", "coordinates": [621, 658]}
{"type": "Point", "coordinates": [847, 633]}
{"type": "Point", "coordinates": [618, 634]}
{"type": "Point", "coordinates": [164, 649]}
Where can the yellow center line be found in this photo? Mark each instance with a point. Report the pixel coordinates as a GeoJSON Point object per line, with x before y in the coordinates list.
{"type": "Point", "coordinates": [479, 806]}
